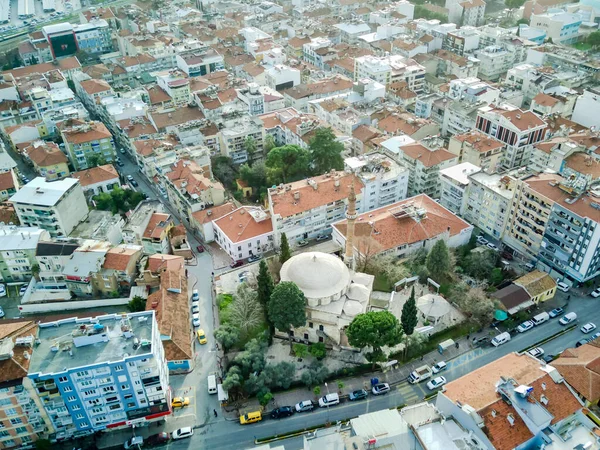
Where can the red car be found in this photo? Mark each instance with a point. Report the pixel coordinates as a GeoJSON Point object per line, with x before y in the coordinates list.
{"type": "Point", "coordinates": [237, 263]}
{"type": "Point", "coordinates": [200, 249]}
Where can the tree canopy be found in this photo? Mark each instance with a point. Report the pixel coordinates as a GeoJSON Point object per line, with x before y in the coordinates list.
{"type": "Point", "coordinates": [409, 317]}
{"type": "Point", "coordinates": [284, 249]}
{"type": "Point", "coordinates": [376, 329]}
{"type": "Point", "coordinates": [286, 308]}
{"type": "Point", "coordinates": [95, 160]}
{"type": "Point", "coordinates": [245, 312]}
{"type": "Point", "coordinates": [118, 200]}
{"type": "Point", "coordinates": [287, 163]}
{"type": "Point", "coordinates": [137, 304]}
{"type": "Point", "coordinates": [438, 260]}
{"type": "Point", "coordinates": [326, 151]}
{"type": "Point", "coordinates": [224, 170]}
{"type": "Point", "coordinates": [265, 283]}
{"type": "Point", "coordinates": [593, 39]}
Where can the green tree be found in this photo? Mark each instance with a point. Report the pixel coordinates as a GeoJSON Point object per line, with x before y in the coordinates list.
{"type": "Point", "coordinates": [269, 143]}
{"type": "Point", "coordinates": [409, 317]}
{"type": "Point", "coordinates": [279, 376]}
{"type": "Point", "coordinates": [496, 276]}
{"type": "Point", "coordinates": [252, 359]}
{"type": "Point", "coordinates": [95, 160]}
{"type": "Point", "coordinates": [265, 397]}
{"type": "Point", "coordinates": [287, 163]}
{"type": "Point", "coordinates": [421, 12]}
{"type": "Point", "coordinates": [255, 175]}
{"type": "Point", "coordinates": [284, 249]}
{"type": "Point", "coordinates": [317, 391]}
{"type": "Point", "coordinates": [227, 335]}
{"type": "Point", "coordinates": [35, 271]}
{"type": "Point", "coordinates": [438, 260]}
{"type": "Point", "coordinates": [375, 329]}
{"type": "Point", "coordinates": [315, 374]}
{"type": "Point", "coordinates": [480, 264]}
{"type": "Point", "coordinates": [326, 151]}
{"type": "Point", "coordinates": [250, 146]}
{"type": "Point", "coordinates": [514, 4]}
{"type": "Point", "coordinates": [287, 307]}
{"type": "Point", "coordinates": [318, 350]}
{"type": "Point", "coordinates": [265, 283]}
{"type": "Point", "coordinates": [137, 304]}
{"type": "Point", "coordinates": [233, 380]}
{"type": "Point", "coordinates": [593, 39]}
{"type": "Point", "coordinates": [224, 170]}
{"type": "Point", "coordinates": [300, 350]}
{"type": "Point", "coordinates": [245, 312]}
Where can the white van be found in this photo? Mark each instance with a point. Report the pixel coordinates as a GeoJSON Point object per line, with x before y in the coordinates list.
{"type": "Point", "coordinates": [502, 338]}
{"type": "Point", "coordinates": [329, 400]}
{"type": "Point", "coordinates": [212, 384]}
{"type": "Point", "coordinates": [541, 318]}
{"type": "Point", "coordinates": [568, 318]}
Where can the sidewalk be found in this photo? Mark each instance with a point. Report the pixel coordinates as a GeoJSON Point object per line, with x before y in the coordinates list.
{"type": "Point", "coordinates": [393, 376]}
{"type": "Point", "coordinates": [116, 439]}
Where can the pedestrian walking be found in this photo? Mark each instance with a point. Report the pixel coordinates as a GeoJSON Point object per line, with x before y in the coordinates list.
{"type": "Point", "coordinates": [215, 412]}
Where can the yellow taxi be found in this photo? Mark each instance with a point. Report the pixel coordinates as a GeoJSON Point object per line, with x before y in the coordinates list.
{"type": "Point", "coordinates": [201, 336]}
{"type": "Point", "coordinates": [180, 402]}
{"type": "Point", "coordinates": [251, 417]}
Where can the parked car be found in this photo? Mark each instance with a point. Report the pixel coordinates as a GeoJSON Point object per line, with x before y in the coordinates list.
{"type": "Point", "coordinates": [195, 308]}
{"type": "Point", "coordinates": [323, 237]}
{"type": "Point", "coordinates": [492, 246]}
{"type": "Point", "coordinates": [134, 183]}
{"type": "Point", "coordinates": [439, 366]}
{"type": "Point", "coordinates": [302, 243]}
{"type": "Point", "coordinates": [2, 290]}
{"type": "Point", "coordinates": [581, 342]}
{"type": "Point", "coordinates": [481, 240]}
{"type": "Point", "coordinates": [595, 293]}
{"type": "Point", "coordinates": [329, 400]}
{"type": "Point", "coordinates": [133, 442]}
{"type": "Point", "coordinates": [525, 326]}
{"type": "Point", "coordinates": [180, 402]}
{"type": "Point", "coordinates": [129, 178]}
{"type": "Point", "coordinates": [380, 389]}
{"type": "Point", "coordinates": [158, 438]}
{"type": "Point", "coordinates": [183, 433]}
{"type": "Point", "coordinates": [529, 267]}
{"type": "Point", "coordinates": [254, 258]}
{"type": "Point", "coordinates": [237, 263]}
{"type": "Point", "coordinates": [477, 341]}
{"type": "Point", "coordinates": [536, 352]}
{"type": "Point", "coordinates": [568, 318]}
{"type": "Point", "coordinates": [562, 286]}
{"type": "Point", "coordinates": [436, 383]}
{"type": "Point", "coordinates": [120, 163]}
{"type": "Point", "coordinates": [595, 336]}
{"type": "Point", "coordinates": [507, 256]}
{"type": "Point", "coordinates": [195, 295]}
{"type": "Point", "coordinates": [1, 313]}
{"type": "Point", "coordinates": [588, 328]}
{"type": "Point", "coordinates": [304, 406]}
{"type": "Point", "coordinates": [201, 336]}
{"type": "Point", "coordinates": [549, 358]}
{"type": "Point", "coordinates": [200, 249]}
{"type": "Point", "coordinates": [556, 312]}
{"type": "Point", "coordinates": [358, 395]}
{"type": "Point", "coordinates": [22, 290]}
{"type": "Point", "coordinates": [282, 411]}
{"type": "Point", "coordinates": [196, 320]}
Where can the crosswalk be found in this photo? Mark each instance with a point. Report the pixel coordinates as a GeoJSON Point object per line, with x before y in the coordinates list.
{"type": "Point", "coordinates": [410, 393]}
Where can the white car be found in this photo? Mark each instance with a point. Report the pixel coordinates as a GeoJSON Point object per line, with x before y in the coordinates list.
{"type": "Point", "coordinates": [525, 326]}
{"type": "Point", "coordinates": [195, 308]}
{"type": "Point", "coordinates": [22, 290]}
{"type": "Point", "coordinates": [481, 240]}
{"type": "Point", "coordinates": [588, 328]}
{"type": "Point", "coordinates": [439, 366]}
{"type": "Point", "coordinates": [536, 352]}
{"type": "Point", "coordinates": [182, 433]}
{"type": "Point", "coordinates": [595, 293]}
{"type": "Point", "coordinates": [562, 286]}
{"type": "Point", "coordinates": [491, 246]}
{"type": "Point", "coordinates": [436, 383]}
{"type": "Point", "coordinates": [196, 319]}
{"type": "Point", "coordinates": [2, 290]}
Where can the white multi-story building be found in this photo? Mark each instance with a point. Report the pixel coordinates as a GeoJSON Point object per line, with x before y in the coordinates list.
{"type": "Point", "coordinates": [494, 62]}
{"type": "Point", "coordinates": [560, 26]}
{"type": "Point", "coordinates": [586, 109]}
{"type": "Point", "coordinates": [199, 62]}
{"type": "Point", "coordinates": [245, 232]}
{"type": "Point", "coordinates": [17, 251]}
{"type": "Point", "coordinates": [56, 206]}
{"type": "Point", "coordinates": [98, 373]}
{"type": "Point", "coordinates": [306, 209]}
{"type": "Point", "coordinates": [280, 77]}
{"type": "Point", "coordinates": [518, 129]}
{"type": "Point", "coordinates": [487, 202]}
{"type": "Point", "coordinates": [235, 134]}
{"type": "Point", "coordinates": [454, 182]}
{"type": "Point", "coordinates": [385, 181]}
{"type": "Point", "coordinates": [391, 68]}
{"type": "Point", "coordinates": [466, 12]}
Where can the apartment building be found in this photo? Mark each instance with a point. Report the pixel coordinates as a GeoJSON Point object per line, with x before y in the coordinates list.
{"type": "Point", "coordinates": [98, 179]}
{"type": "Point", "coordinates": [586, 107]}
{"type": "Point", "coordinates": [306, 209]}
{"type": "Point", "coordinates": [560, 26]}
{"type": "Point", "coordinates": [494, 62]}
{"type": "Point", "coordinates": [56, 206]}
{"type": "Point", "coordinates": [245, 232]}
{"type": "Point", "coordinates": [424, 160]}
{"type": "Point", "coordinates": [301, 95]}
{"type": "Point", "coordinates": [177, 86]}
{"type": "Point", "coordinates": [389, 69]}
{"type": "Point", "coordinates": [199, 62]}
{"type": "Point", "coordinates": [8, 184]}
{"type": "Point", "coordinates": [106, 372]}
{"type": "Point", "coordinates": [461, 41]}
{"type": "Point", "coordinates": [477, 148]}
{"type": "Point", "coordinates": [191, 188]}
{"type": "Point", "coordinates": [23, 419]}
{"type": "Point", "coordinates": [47, 159]}
{"type": "Point", "coordinates": [94, 36]}
{"type": "Point", "coordinates": [529, 215]}
{"type": "Point", "coordinates": [234, 135]}
{"type": "Point", "coordinates": [281, 77]}
{"type": "Point", "coordinates": [52, 258]}
{"type": "Point", "coordinates": [17, 251]}
{"type": "Point", "coordinates": [85, 140]}
{"type": "Point", "coordinates": [454, 182]}
{"type": "Point", "coordinates": [487, 202]}
{"type": "Point", "coordinates": [384, 180]}
{"type": "Point", "coordinates": [571, 242]}
{"type": "Point", "coordinates": [459, 117]}
{"type": "Point", "coordinates": [518, 130]}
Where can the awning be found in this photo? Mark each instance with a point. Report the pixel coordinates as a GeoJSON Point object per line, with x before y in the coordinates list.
{"type": "Point", "coordinates": [500, 315]}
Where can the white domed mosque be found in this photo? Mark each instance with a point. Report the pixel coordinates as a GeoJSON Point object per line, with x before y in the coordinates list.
{"type": "Point", "coordinates": [335, 293]}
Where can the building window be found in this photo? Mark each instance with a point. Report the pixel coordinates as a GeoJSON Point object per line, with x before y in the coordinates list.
{"type": "Point", "coordinates": [10, 411]}
{"type": "Point", "coordinates": [68, 389]}
{"type": "Point", "coordinates": [321, 328]}
{"type": "Point", "coordinates": [16, 420]}
{"type": "Point", "coordinates": [63, 379]}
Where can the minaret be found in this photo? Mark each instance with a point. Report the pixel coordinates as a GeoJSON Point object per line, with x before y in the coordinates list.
{"type": "Point", "coordinates": [350, 217]}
